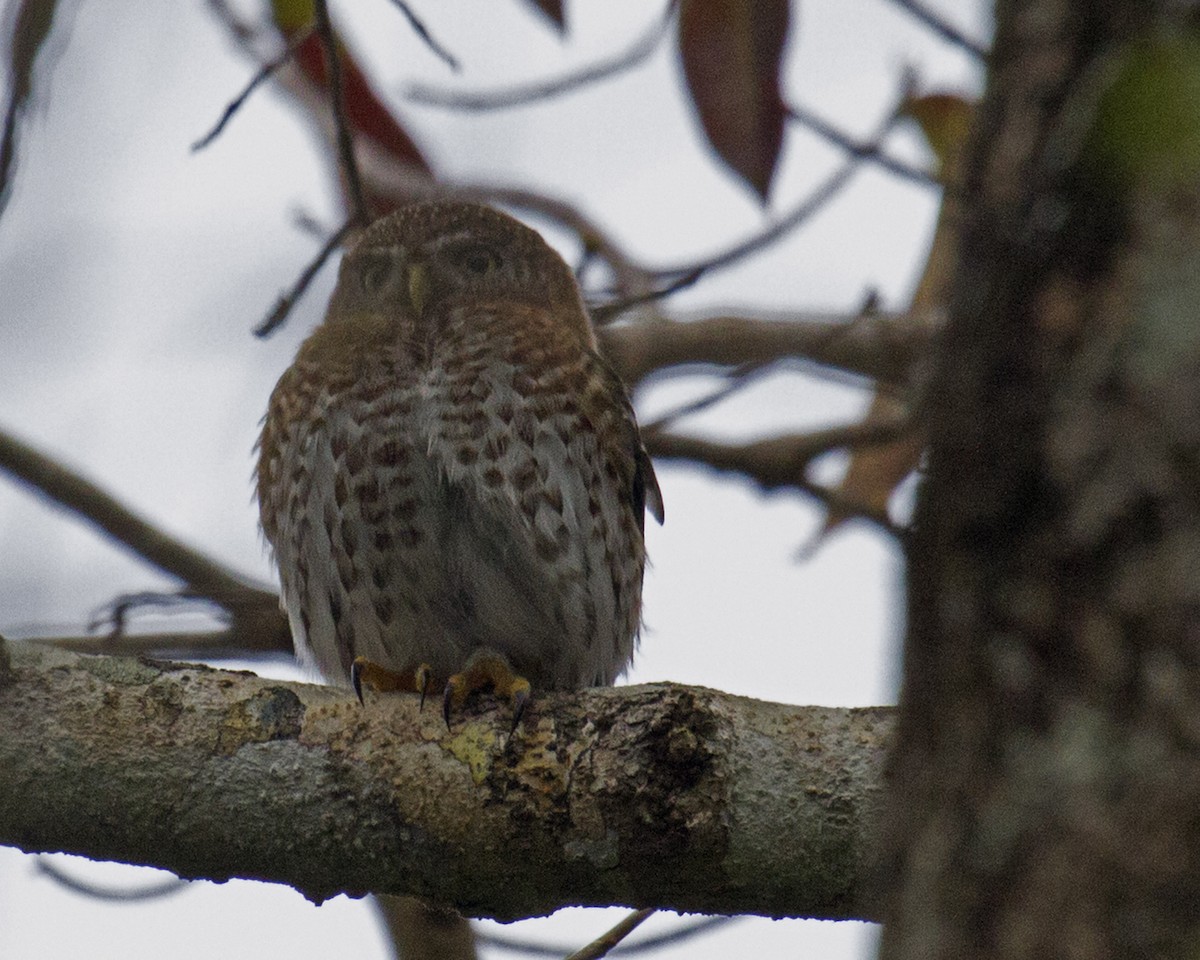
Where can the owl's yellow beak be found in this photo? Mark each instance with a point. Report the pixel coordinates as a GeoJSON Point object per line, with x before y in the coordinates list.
{"type": "Point", "coordinates": [418, 287]}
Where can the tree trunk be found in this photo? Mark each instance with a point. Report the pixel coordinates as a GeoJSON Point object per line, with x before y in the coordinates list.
{"type": "Point", "coordinates": [1046, 777]}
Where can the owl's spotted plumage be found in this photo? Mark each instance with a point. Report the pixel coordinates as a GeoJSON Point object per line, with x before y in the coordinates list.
{"type": "Point", "coordinates": [450, 466]}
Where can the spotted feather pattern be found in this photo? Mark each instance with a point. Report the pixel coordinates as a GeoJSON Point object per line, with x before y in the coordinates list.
{"type": "Point", "coordinates": [468, 476]}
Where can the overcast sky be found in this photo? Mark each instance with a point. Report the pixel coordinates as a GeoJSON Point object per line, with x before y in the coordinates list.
{"type": "Point", "coordinates": [132, 272]}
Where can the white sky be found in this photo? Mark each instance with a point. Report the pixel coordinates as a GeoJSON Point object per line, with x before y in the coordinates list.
{"type": "Point", "coordinates": [132, 272]}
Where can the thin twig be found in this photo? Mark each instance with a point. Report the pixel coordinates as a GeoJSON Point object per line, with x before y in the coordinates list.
{"type": "Point", "coordinates": [202, 574]}
{"type": "Point", "coordinates": [736, 381]}
{"type": "Point", "coordinates": [151, 891]}
{"type": "Point", "coordinates": [867, 151]}
{"type": "Point", "coordinates": [684, 275]}
{"type": "Point", "coordinates": [419, 28]}
{"type": "Point", "coordinates": [260, 76]}
{"type": "Point", "coordinates": [685, 931]}
{"type": "Point", "coordinates": [605, 942]}
{"type": "Point", "coordinates": [285, 303]}
{"type": "Point", "coordinates": [943, 29]}
{"type": "Point", "coordinates": [807, 208]}
{"type": "Point", "coordinates": [638, 52]}
{"type": "Point", "coordinates": [345, 138]}
{"type": "Point", "coordinates": [782, 462]}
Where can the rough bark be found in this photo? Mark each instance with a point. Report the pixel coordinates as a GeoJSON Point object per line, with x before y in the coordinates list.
{"type": "Point", "coordinates": [1047, 766]}
{"type": "Point", "coordinates": [656, 795]}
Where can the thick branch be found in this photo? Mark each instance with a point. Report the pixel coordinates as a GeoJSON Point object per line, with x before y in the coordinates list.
{"type": "Point", "coordinates": [883, 347]}
{"type": "Point", "coordinates": [657, 795]}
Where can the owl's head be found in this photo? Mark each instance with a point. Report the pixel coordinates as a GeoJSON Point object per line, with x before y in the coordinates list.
{"type": "Point", "coordinates": [416, 263]}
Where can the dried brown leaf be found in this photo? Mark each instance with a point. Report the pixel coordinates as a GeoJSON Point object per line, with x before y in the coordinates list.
{"type": "Point", "coordinates": [875, 472]}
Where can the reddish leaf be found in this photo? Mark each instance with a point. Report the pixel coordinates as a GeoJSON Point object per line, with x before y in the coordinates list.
{"type": "Point", "coordinates": [732, 51]}
{"type": "Point", "coordinates": [553, 10]}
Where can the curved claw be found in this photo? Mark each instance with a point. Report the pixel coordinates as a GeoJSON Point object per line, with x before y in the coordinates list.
{"type": "Point", "coordinates": [520, 698]}
{"type": "Point", "coordinates": [356, 669]}
{"type": "Point", "coordinates": [423, 678]}
{"type": "Point", "coordinates": [447, 703]}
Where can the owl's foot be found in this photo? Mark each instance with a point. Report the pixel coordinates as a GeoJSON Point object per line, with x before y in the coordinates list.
{"type": "Point", "coordinates": [383, 680]}
{"type": "Point", "coordinates": [486, 669]}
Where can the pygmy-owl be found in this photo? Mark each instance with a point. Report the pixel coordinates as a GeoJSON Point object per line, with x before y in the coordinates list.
{"type": "Point", "coordinates": [450, 475]}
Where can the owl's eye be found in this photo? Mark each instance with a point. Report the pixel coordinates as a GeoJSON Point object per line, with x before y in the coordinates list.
{"type": "Point", "coordinates": [374, 273]}
{"type": "Point", "coordinates": [480, 260]}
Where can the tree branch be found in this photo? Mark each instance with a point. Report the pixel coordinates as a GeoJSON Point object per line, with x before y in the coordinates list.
{"type": "Point", "coordinates": [658, 795]}
{"type": "Point", "coordinates": [883, 347]}
{"type": "Point", "coordinates": [542, 90]}
{"type": "Point", "coordinates": [254, 612]}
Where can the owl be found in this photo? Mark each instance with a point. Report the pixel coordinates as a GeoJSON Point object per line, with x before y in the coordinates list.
{"type": "Point", "coordinates": [450, 475]}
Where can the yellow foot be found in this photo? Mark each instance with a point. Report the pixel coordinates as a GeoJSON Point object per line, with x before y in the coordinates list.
{"type": "Point", "coordinates": [383, 680]}
{"type": "Point", "coordinates": [486, 669]}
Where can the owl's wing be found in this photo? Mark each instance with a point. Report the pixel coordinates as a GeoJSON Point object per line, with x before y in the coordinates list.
{"type": "Point", "coordinates": [643, 491]}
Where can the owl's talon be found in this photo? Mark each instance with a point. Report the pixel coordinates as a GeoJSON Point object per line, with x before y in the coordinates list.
{"type": "Point", "coordinates": [423, 678]}
{"type": "Point", "coordinates": [448, 697]}
{"type": "Point", "coordinates": [519, 699]}
{"type": "Point", "coordinates": [356, 669]}
{"type": "Point", "coordinates": [486, 670]}
{"type": "Point", "coordinates": [382, 680]}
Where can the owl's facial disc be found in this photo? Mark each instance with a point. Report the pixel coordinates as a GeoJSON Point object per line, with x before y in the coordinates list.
{"type": "Point", "coordinates": [388, 274]}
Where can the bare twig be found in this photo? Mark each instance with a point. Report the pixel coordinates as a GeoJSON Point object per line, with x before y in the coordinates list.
{"type": "Point", "coordinates": [150, 891]}
{"type": "Point", "coordinates": [262, 74]}
{"type": "Point", "coordinates": [685, 931]}
{"type": "Point", "coordinates": [255, 620]}
{"type": "Point", "coordinates": [943, 29]}
{"type": "Point", "coordinates": [345, 137]}
{"type": "Point", "coordinates": [419, 28]}
{"type": "Point", "coordinates": [285, 303]}
{"type": "Point", "coordinates": [782, 462]}
{"type": "Point", "coordinates": [736, 381]}
{"type": "Point", "coordinates": [867, 151]}
{"type": "Point", "coordinates": [676, 278]}
{"type": "Point", "coordinates": [606, 941]}
{"type": "Point", "coordinates": [204, 575]}
{"type": "Point", "coordinates": [638, 52]}
{"type": "Point", "coordinates": [805, 210]}
{"type": "Point", "coordinates": [816, 200]}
